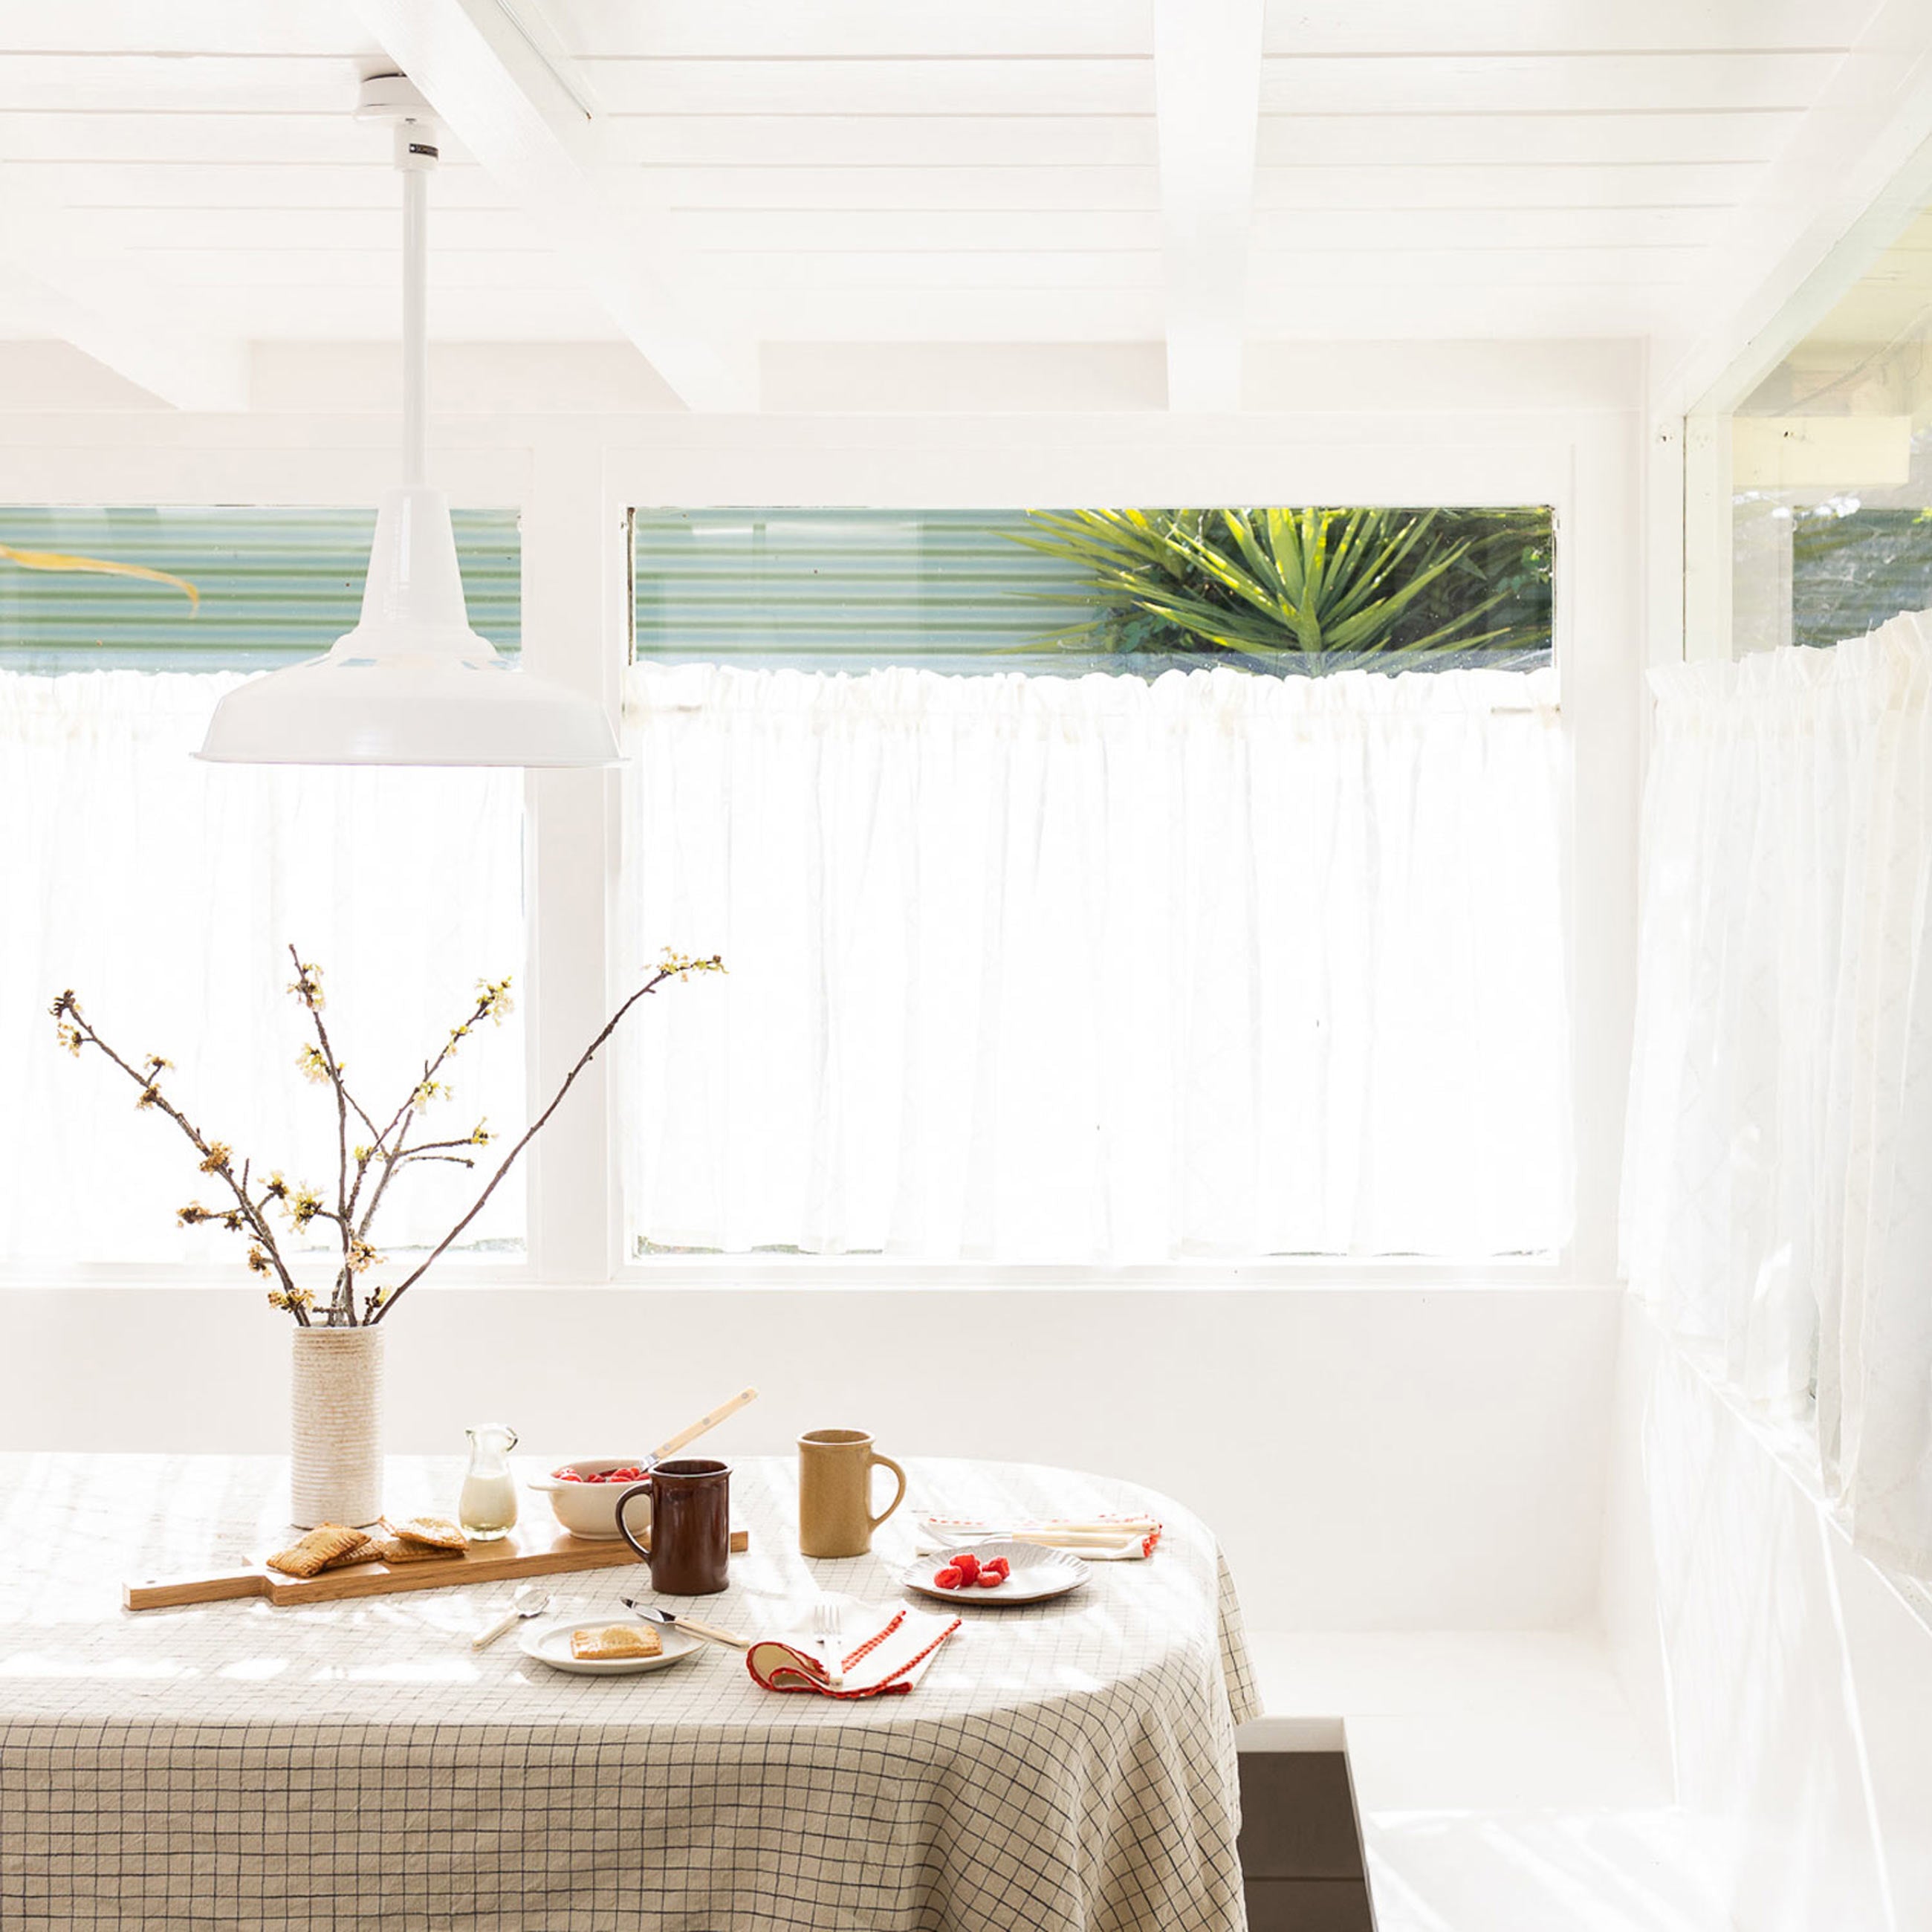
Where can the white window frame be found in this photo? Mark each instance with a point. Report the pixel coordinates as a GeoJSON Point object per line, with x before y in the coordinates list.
{"type": "Point", "coordinates": [1583, 472]}
{"type": "Point", "coordinates": [575, 480]}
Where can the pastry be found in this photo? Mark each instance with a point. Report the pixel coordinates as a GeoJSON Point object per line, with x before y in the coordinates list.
{"type": "Point", "coordinates": [391, 1548]}
{"type": "Point", "coordinates": [327, 1543]}
{"type": "Point", "coordinates": [609, 1640]}
{"type": "Point", "coordinates": [438, 1531]}
{"type": "Point", "coordinates": [364, 1552]}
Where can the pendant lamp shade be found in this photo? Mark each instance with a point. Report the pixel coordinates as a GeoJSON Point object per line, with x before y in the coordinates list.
{"type": "Point", "coordinates": [413, 684]}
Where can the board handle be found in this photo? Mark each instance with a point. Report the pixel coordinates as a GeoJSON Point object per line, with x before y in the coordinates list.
{"type": "Point", "coordinates": [154, 1594]}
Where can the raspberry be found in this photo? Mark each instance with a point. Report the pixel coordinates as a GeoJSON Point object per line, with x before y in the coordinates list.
{"type": "Point", "coordinates": [991, 1579]}
{"type": "Point", "coordinates": [948, 1578]}
{"type": "Point", "coordinates": [968, 1564]}
{"type": "Point", "coordinates": [998, 1566]}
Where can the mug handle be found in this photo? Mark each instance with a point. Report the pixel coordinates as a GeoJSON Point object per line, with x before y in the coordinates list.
{"type": "Point", "coordinates": [887, 1461]}
{"type": "Point", "coordinates": [643, 1549]}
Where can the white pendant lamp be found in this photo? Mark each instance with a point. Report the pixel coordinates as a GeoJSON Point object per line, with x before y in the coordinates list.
{"type": "Point", "coordinates": [413, 684]}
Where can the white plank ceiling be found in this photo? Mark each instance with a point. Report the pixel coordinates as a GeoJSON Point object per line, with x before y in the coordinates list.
{"type": "Point", "coordinates": [757, 171]}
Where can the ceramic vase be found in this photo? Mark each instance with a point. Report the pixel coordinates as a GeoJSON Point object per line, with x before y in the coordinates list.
{"type": "Point", "coordinates": [335, 1425]}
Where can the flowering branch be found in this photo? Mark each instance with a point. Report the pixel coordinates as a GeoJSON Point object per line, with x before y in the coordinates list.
{"type": "Point", "coordinates": [372, 1164]}
{"type": "Point", "coordinates": [76, 1032]}
{"type": "Point", "coordinates": [674, 966]}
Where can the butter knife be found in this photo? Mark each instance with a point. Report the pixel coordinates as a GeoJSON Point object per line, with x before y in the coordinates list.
{"type": "Point", "coordinates": [651, 1614]}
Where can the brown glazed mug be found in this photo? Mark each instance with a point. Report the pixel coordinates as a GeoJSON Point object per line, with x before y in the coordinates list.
{"type": "Point", "coordinates": [835, 1492]}
{"type": "Point", "coordinates": [690, 1549]}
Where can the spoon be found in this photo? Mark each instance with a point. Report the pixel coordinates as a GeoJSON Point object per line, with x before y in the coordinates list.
{"type": "Point", "coordinates": [527, 1600]}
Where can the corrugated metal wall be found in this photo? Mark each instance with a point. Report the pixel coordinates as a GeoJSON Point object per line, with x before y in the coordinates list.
{"type": "Point", "coordinates": [276, 585]}
{"type": "Point", "coordinates": [840, 589]}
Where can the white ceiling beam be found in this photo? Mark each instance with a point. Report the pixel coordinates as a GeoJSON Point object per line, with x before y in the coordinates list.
{"type": "Point", "coordinates": [104, 304]}
{"type": "Point", "coordinates": [520, 110]}
{"type": "Point", "coordinates": [1207, 75]}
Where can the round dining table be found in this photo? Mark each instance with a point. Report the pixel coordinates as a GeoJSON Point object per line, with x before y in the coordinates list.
{"type": "Point", "coordinates": [356, 1764]}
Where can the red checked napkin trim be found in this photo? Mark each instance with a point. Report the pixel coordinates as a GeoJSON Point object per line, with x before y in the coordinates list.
{"type": "Point", "coordinates": [888, 1664]}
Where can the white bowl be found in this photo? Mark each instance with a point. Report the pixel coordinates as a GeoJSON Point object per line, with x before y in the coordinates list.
{"type": "Point", "coordinates": [590, 1509]}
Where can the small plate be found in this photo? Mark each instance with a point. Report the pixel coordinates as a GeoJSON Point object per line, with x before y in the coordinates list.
{"type": "Point", "coordinates": [1037, 1573]}
{"type": "Point", "coordinates": [550, 1643]}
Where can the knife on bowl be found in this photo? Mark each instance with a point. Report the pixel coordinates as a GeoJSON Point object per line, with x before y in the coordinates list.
{"type": "Point", "coordinates": [651, 1614]}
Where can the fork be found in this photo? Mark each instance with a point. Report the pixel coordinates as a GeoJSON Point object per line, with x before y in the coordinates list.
{"type": "Point", "coordinates": [828, 1626]}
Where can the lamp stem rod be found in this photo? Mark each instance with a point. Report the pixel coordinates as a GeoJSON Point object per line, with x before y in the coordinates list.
{"type": "Point", "coordinates": [415, 324]}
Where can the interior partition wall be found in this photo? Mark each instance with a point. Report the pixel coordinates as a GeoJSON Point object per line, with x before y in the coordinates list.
{"type": "Point", "coordinates": [1415, 1387]}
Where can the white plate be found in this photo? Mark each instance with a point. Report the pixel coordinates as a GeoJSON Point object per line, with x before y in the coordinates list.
{"type": "Point", "coordinates": [550, 1643]}
{"type": "Point", "coordinates": [1037, 1574]}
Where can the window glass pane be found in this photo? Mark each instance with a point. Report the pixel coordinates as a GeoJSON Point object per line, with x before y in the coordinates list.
{"type": "Point", "coordinates": [165, 892]}
{"type": "Point", "coordinates": [1830, 467]}
{"type": "Point", "coordinates": [1072, 591]}
{"type": "Point", "coordinates": [1182, 960]}
{"type": "Point", "coordinates": [270, 585]}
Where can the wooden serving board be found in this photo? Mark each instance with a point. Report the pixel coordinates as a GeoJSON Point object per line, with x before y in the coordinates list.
{"type": "Point", "coordinates": [539, 1550]}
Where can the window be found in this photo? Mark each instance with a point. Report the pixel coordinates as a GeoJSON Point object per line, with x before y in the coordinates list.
{"type": "Point", "coordinates": [270, 585]}
{"type": "Point", "coordinates": [1072, 591]}
{"type": "Point", "coordinates": [1825, 467]}
{"type": "Point", "coordinates": [164, 891]}
{"type": "Point", "coordinates": [1179, 959]}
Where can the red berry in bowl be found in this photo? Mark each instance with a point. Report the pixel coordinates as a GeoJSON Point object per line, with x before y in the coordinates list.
{"type": "Point", "coordinates": [990, 1579]}
{"type": "Point", "coordinates": [968, 1564]}
{"type": "Point", "coordinates": [948, 1578]}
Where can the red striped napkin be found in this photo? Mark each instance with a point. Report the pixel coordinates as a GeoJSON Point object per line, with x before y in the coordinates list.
{"type": "Point", "coordinates": [888, 1662]}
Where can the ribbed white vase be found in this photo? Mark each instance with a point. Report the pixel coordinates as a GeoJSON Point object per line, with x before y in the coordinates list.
{"type": "Point", "coordinates": [335, 1425]}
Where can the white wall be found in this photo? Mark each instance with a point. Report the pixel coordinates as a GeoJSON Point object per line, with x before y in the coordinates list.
{"type": "Point", "coordinates": [1790, 1682]}
{"type": "Point", "coordinates": [1376, 1458]}
{"type": "Point", "coordinates": [1375, 1455]}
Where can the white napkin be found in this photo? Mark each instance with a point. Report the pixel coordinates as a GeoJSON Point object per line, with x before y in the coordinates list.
{"type": "Point", "coordinates": [889, 1647]}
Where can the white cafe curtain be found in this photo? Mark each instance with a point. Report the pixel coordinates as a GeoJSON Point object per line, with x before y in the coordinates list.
{"type": "Point", "coordinates": [1778, 1172]}
{"type": "Point", "coordinates": [163, 891]}
{"type": "Point", "coordinates": [1092, 970]}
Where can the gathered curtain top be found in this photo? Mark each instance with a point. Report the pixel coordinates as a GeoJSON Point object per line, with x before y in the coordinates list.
{"type": "Point", "coordinates": [906, 694]}
{"type": "Point", "coordinates": [1890, 663]}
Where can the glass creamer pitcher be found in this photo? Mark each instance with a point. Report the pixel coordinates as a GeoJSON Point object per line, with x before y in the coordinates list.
{"type": "Point", "coordinates": [488, 1509]}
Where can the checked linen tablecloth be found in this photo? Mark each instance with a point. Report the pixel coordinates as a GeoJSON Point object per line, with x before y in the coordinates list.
{"type": "Point", "coordinates": [354, 1766]}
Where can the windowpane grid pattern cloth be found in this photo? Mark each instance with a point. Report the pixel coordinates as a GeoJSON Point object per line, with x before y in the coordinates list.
{"type": "Point", "coordinates": [356, 1766]}
{"type": "Point", "coordinates": [1094, 969]}
{"type": "Point", "coordinates": [165, 892]}
{"type": "Point", "coordinates": [1778, 1206]}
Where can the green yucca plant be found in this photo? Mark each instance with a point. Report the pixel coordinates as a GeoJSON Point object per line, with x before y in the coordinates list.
{"type": "Point", "coordinates": [1304, 589]}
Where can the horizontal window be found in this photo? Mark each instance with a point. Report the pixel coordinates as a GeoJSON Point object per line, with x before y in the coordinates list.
{"type": "Point", "coordinates": [1076, 590]}
{"type": "Point", "coordinates": [216, 587]}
